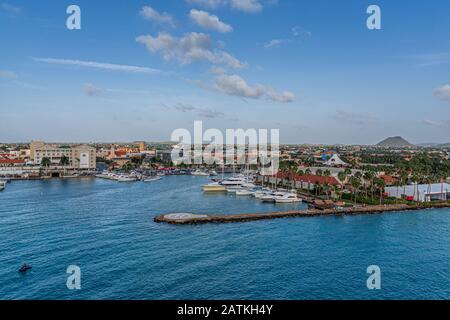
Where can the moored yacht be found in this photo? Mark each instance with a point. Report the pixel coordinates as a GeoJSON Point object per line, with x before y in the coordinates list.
{"type": "Point", "coordinates": [214, 187]}
{"type": "Point", "coordinates": [244, 192]}
{"type": "Point", "coordinates": [213, 173]}
{"type": "Point", "coordinates": [199, 173]}
{"type": "Point", "coordinates": [261, 193]}
{"type": "Point", "coordinates": [2, 185]}
{"type": "Point", "coordinates": [287, 198]}
{"type": "Point", "coordinates": [270, 197]}
{"type": "Point", "coordinates": [124, 178]}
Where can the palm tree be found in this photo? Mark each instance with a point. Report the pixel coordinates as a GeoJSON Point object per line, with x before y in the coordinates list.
{"type": "Point", "coordinates": [355, 183]}
{"type": "Point", "coordinates": [369, 176]}
{"type": "Point", "coordinates": [415, 178]}
{"type": "Point", "coordinates": [64, 161]}
{"type": "Point", "coordinates": [404, 179]}
{"type": "Point", "coordinates": [342, 176]}
{"type": "Point", "coordinates": [380, 185]}
{"type": "Point", "coordinates": [46, 162]}
{"type": "Point", "coordinates": [347, 171]}
{"type": "Point", "coordinates": [327, 173]}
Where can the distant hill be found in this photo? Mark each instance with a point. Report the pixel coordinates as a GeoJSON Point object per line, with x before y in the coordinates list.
{"type": "Point", "coordinates": [433, 145]}
{"type": "Point", "coordinates": [394, 142]}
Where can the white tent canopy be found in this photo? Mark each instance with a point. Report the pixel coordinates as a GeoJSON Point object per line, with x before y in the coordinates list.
{"type": "Point", "coordinates": [335, 161]}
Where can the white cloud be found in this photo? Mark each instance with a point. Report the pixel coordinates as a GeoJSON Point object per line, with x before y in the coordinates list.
{"type": "Point", "coordinates": [90, 89]}
{"type": "Point", "coordinates": [209, 21]}
{"type": "Point", "coordinates": [11, 9]}
{"type": "Point", "coordinates": [187, 49]}
{"type": "Point", "coordinates": [274, 43]}
{"type": "Point", "coordinates": [298, 31]}
{"type": "Point", "coordinates": [236, 86]}
{"type": "Point", "coordinates": [100, 65]}
{"type": "Point", "coordinates": [203, 112]}
{"type": "Point", "coordinates": [249, 6]}
{"type": "Point", "coordinates": [210, 4]}
{"type": "Point", "coordinates": [162, 18]}
{"type": "Point", "coordinates": [246, 5]}
{"type": "Point", "coordinates": [443, 92]}
{"type": "Point", "coordinates": [217, 70]}
{"type": "Point", "coordinates": [7, 74]}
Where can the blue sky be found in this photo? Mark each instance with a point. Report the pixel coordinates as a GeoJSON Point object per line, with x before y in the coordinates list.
{"type": "Point", "coordinates": [140, 69]}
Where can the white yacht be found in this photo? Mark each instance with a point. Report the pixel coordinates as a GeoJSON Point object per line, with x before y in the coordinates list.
{"type": "Point", "coordinates": [213, 173]}
{"type": "Point", "coordinates": [200, 173]}
{"type": "Point", "coordinates": [272, 196]}
{"type": "Point", "coordinates": [260, 193]}
{"type": "Point", "coordinates": [244, 192]}
{"type": "Point", "coordinates": [287, 198]}
{"type": "Point", "coordinates": [233, 189]}
{"type": "Point", "coordinates": [214, 187]}
{"type": "Point", "coordinates": [124, 178]}
{"type": "Point", "coordinates": [234, 181]}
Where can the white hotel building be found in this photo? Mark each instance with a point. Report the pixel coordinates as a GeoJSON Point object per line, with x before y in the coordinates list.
{"type": "Point", "coordinates": [79, 156]}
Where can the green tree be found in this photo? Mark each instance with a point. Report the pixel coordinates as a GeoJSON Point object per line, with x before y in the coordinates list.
{"type": "Point", "coordinates": [355, 183]}
{"type": "Point", "coordinates": [380, 185]}
{"type": "Point", "coordinates": [46, 162]}
{"type": "Point", "coordinates": [342, 176]}
{"type": "Point", "coordinates": [64, 161]}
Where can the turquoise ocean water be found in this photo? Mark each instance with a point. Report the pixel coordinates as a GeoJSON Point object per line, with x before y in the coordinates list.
{"type": "Point", "coordinates": [107, 229]}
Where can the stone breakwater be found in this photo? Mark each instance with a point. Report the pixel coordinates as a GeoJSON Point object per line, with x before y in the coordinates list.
{"type": "Point", "coordinates": [188, 218]}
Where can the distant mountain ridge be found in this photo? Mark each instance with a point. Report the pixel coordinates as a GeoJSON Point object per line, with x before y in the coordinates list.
{"type": "Point", "coordinates": [434, 145]}
{"type": "Point", "coordinates": [394, 142]}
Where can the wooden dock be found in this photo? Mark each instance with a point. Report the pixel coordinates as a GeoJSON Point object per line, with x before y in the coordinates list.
{"type": "Point", "coordinates": [188, 218]}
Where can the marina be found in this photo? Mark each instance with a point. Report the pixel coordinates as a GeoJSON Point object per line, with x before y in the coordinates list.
{"type": "Point", "coordinates": [116, 234]}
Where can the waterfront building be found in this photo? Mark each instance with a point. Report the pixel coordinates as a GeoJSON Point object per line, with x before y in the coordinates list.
{"type": "Point", "coordinates": [421, 192]}
{"type": "Point", "coordinates": [307, 182]}
{"type": "Point", "coordinates": [35, 145]}
{"type": "Point", "coordinates": [5, 162]}
{"type": "Point", "coordinates": [142, 146]}
{"type": "Point", "coordinates": [79, 156]}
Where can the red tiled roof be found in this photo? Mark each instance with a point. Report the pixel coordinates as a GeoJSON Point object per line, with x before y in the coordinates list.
{"type": "Point", "coordinates": [11, 161]}
{"type": "Point", "coordinates": [388, 179]}
{"type": "Point", "coordinates": [310, 178]}
{"type": "Point", "coordinates": [120, 153]}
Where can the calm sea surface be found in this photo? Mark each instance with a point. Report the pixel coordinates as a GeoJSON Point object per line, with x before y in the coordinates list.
{"type": "Point", "coordinates": [107, 229]}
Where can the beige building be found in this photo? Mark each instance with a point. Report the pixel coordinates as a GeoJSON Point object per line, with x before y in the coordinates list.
{"type": "Point", "coordinates": [79, 157]}
{"type": "Point", "coordinates": [34, 145]}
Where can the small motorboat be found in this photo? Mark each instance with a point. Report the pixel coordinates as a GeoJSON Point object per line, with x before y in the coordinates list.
{"type": "Point", "coordinates": [200, 173]}
{"type": "Point", "coordinates": [151, 179]}
{"type": "Point", "coordinates": [24, 268]}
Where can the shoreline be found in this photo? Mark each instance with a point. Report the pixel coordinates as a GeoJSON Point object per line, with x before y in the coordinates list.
{"type": "Point", "coordinates": [189, 219]}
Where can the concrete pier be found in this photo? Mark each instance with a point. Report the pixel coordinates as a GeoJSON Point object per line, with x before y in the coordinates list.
{"type": "Point", "coordinates": [188, 218]}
